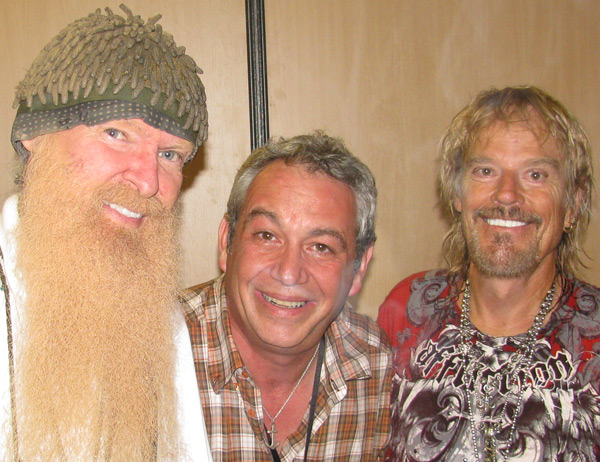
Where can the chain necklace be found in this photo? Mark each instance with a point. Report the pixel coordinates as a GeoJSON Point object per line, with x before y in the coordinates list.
{"type": "Point", "coordinates": [519, 361]}
{"type": "Point", "coordinates": [272, 444]}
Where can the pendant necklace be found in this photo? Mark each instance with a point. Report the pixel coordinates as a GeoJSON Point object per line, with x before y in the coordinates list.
{"type": "Point", "coordinates": [518, 362]}
{"type": "Point", "coordinates": [272, 444]}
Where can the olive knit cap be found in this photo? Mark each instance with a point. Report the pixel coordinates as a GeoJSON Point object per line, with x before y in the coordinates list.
{"type": "Point", "coordinates": [105, 67]}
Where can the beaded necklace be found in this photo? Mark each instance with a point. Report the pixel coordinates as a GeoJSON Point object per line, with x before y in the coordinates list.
{"type": "Point", "coordinates": [520, 361]}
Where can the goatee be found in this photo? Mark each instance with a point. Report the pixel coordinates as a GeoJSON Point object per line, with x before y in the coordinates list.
{"type": "Point", "coordinates": [502, 258]}
{"type": "Point", "coordinates": [94, 373]}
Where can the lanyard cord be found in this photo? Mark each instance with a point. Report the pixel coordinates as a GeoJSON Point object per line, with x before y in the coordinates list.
{"type": "Point", "coordinates": [11, 360]}
{"type": "Point", "coordinates": [313, 402]}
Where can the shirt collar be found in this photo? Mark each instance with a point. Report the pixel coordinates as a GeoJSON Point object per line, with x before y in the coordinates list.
{"type": "Point", "coordinates": [223, 357]}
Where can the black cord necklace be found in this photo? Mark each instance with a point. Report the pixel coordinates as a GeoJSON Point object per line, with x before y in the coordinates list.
{"type": "Point", "coordinates": [11, 360]}
{"type": "Point", "coordinates": [313, 403]}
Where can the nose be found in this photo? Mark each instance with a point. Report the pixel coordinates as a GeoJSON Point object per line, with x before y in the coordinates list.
{"type": "Point", "coordinates": [142, 171]}
{"type": "Point", "coordinates": [508, 190]}
{"type": "Point", "coordinates": [289, 269]}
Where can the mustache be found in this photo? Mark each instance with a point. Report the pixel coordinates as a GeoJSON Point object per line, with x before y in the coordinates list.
{"type": "Point", "coordinates": [127, 197]}
{"type": "Point", "coordinates": [507, 213]}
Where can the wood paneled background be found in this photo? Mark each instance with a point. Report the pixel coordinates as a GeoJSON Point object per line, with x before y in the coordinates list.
{"type": "Point", "coordinates": [385, 75]}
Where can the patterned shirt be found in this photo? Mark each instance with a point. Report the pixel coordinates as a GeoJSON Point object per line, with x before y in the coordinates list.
{"type": "Point", "coordinates": [352, 410]}
{"type": "Point", "coordinates": [558, 418]}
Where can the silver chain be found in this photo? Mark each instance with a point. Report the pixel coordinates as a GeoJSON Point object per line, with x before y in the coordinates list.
{"type": "Point", "coordinates": [521, 362]}
{"type": "Point", "coordinates": [272, 444]}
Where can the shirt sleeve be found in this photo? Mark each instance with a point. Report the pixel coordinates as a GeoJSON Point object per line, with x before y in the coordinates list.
{"type": "Point", "coordinates": [392, 313]}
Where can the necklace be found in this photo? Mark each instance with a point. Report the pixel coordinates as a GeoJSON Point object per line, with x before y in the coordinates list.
{"type": "Point", "coordinates": [272, 444]}
{"type": "Point", "coordinates": [518, 362]}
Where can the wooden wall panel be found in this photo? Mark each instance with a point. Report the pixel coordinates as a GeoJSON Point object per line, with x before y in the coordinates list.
{"type": "Point", "coordinates": [388, 76]}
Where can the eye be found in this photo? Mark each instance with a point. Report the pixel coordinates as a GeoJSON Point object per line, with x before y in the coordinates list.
{"type": "Point", "coordinates": [322, 248]}
{"type": "Point", "coordinates": [484, 171]}
{"type": "Point", "coordinates": [115, 133]}
{"type": "Point", "coordinates": [265, 235]}
{"type": "Point", "coordinates": [536, 175]}
{"type": "Point", "coordinates": [171, 156]}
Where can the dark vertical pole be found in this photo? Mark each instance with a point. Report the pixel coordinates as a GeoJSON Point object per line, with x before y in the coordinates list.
{"type": "Point", "coordinates": [257, 72]}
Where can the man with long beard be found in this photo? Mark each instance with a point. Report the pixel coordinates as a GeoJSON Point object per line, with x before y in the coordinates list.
{"type": "Point", "coordinates": [98, 362]}
{"type": "Point", "coordinates": [496, 357]}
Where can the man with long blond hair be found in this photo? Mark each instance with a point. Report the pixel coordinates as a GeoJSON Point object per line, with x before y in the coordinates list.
{"type": "Point", "coordinates": [496, 357]}
{"type": "Point", "coordinates": [98, 363]}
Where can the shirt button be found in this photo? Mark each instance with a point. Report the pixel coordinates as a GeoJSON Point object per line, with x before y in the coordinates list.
{"type": "Point", "coordinates": [251, 412]}
{"type": "Point", "coordinates": [245, 374]}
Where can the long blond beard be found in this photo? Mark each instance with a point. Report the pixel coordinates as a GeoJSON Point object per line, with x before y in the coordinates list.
{"type": "Point", "coordinates": [94, 376]}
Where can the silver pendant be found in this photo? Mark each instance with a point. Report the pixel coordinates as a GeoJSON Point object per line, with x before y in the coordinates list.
{"type": "Point", "coordinates": [272, 444]}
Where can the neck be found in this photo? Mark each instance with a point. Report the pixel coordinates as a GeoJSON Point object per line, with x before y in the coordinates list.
{"type": "Point", "coordinates": [285, 382]}
{"type": "Point", "coordinates": [507, 307]}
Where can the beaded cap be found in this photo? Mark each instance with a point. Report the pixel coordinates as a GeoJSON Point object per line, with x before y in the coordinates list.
{"type": "Point", "coordinates": [105, 67]}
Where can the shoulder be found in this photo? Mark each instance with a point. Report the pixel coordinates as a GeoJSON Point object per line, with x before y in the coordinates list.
{"type": "Point", "coordinates": [582, 309]}
{"type": "Point", "coordinates": [359, 345]}
{"type": "Point", "coordinates": [10, 213]}
{"type": "Point", "coordinates": [585, 293]}
{"type": "Point", "coordinates": [363, 328]}
{"type": "Point", "coordinates": [197, 299]}
{"type": "Point", "coordinates": [400, 294]}
{"type": "Point", "coordinates": [419, 291]}
{"type": "Point", "coordinates": [582, 302]}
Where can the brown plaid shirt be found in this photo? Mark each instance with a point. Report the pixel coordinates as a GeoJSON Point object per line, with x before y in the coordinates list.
{"type": "Point", "coordinates": [352, 411]}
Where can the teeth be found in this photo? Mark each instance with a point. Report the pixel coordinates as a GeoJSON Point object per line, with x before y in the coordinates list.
{"type": "Point", "coordinates": [124, 211]}
{"type": "Point", "coordinates": [283, 304]}
{"type": "Point", "coordinates": [504, 223]}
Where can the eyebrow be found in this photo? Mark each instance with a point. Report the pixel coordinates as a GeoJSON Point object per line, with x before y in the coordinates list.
{"type": "Point", "coordinates": [261, 212]}
{"type": "Point", "coordinates": [181, 144]}
{"type": "Point", "coordinates": [330, 232]}
{"type": "Point", "coordinates": [546, 160]}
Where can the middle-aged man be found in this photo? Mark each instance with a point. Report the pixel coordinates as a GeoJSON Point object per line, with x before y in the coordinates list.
{"type": "Point", "coordinates": [286, 369]}
{"type": "Point", "coordinates": [497, 357]}
{"type": "Point", "coordinates": [98, 365]}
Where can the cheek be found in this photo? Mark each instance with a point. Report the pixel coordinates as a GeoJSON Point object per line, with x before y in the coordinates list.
{"type": "Point", "coordinates": [170, 186]}
{"type": "Point", "coordinates": [96, 165]}
{"type": "Point", "coordinates": [245, 262]}
{"type": "Point", "coordinates": [333, 279]}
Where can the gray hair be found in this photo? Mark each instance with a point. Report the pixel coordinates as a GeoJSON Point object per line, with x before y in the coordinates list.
{"type": "Point", "coordinates": [316, 152]}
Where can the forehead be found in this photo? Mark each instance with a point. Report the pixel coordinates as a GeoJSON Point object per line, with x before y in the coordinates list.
{"type": "Point", "coordinates": [294, 191]}
{"type": "Point", "coordinates": [522, 138]}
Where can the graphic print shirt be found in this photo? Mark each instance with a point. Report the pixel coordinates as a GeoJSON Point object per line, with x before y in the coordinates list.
{"type": "Point", "coordinates": [558, 411]}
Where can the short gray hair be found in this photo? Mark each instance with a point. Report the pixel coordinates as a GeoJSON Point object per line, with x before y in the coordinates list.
{"type": "Point", "coordinates": [315, 152]}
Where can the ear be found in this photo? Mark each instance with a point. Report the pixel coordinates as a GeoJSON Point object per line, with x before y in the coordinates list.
{"type": "Point", "coordinates": [223, 236]}
{"type": "Point", "coordinates": [457, 204]}
{"type": "Point", "coordinates": [30, 144]}
{"type": "Point", "coordinates": [360, 272]}
{"type": "Point", "coordinates": [573, 212]}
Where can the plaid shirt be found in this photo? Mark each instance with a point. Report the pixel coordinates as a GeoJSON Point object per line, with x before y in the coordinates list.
{"type": "Point", "coordinates": [352, 411]}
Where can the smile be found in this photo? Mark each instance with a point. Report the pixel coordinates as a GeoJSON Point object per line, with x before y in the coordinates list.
{"type": "Point", "coordinates": [123, 211]}
{"type": "Point", "coordinates": [283, 304]}
{"type": "Point", "coordinates": [504, 223]}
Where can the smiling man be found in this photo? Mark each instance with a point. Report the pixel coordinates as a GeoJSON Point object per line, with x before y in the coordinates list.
{"type": "Point", "coordinates": [286, 369]}
{"type": "Point", "coordinates": [496, 358]}
{"type": "Point", "coordinates": [98, 363]}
